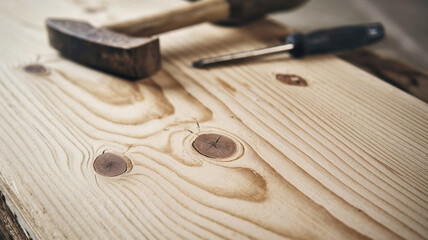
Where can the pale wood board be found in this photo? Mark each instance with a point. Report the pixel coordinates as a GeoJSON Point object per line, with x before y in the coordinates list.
{"type": "Point", "coordinates": [343, 158]}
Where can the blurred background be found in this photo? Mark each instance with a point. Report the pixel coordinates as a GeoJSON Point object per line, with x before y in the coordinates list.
{"type": "Point", "coordinates": [405, 21]}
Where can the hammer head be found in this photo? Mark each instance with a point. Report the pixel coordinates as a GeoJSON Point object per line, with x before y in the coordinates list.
{"type": "Point", "coordinates": [105, 50]}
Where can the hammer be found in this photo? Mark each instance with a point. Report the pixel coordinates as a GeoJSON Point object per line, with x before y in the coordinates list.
{"type": "Point", "coordinates": [133, 56]}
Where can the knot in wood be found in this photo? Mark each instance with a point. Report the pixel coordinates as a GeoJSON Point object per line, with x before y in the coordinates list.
{"type": "Point", "coordinates": [110, 164]}
{"type": "Point", "coordinates": [36, 69]}
{"type": "Point", "coordinates": [214, 145]}
{"type": "Point", "coordinates": [292, 79]}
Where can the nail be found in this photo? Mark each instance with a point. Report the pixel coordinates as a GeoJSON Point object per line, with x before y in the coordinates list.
{"type": "Point", "coordinates": [214, 145]}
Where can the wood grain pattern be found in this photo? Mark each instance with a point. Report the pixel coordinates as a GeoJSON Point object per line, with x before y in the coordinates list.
{"type": "Point", "coordinates": [344, 157]}
{"type": "Point", "coordinates": [403, 76]}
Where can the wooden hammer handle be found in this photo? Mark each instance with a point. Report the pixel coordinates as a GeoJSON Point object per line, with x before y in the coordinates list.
{"type": "Point", "coordinates": [198, 12]}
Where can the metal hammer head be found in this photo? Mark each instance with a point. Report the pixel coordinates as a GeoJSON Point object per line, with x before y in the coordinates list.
{"type": "Point", "coordinates": [105, 50]}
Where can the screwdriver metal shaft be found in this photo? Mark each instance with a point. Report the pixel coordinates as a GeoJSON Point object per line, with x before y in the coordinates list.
{"type": "Point", "coordinates": [243, 55]}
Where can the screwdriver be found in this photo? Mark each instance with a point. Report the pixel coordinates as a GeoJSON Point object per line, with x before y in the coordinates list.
{"type": "Point", "coordinates": [299, 45]}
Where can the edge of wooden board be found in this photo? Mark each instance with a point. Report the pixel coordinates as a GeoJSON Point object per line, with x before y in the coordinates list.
{"type": "Point", "coordinates": [11, 223]}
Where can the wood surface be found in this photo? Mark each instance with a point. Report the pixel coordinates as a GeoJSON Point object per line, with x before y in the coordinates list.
{"type": "Point", "coordinates": [395, 72]}
{"type": "Point", "coordinates": [343, 156]}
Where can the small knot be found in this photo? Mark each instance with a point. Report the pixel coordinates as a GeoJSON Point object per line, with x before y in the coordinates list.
{"type": "Point", "coordinates": [36, 69]}
{"type": "Point", "coordinates": [292, 79]}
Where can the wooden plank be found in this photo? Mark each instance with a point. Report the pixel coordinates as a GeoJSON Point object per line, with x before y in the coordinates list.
{"type": "Point", "coordinates": [9, 226]}
{"type": "Point", "coordinates": [344, 157]}
{"type": "Point", "coordinates": [401, 75]}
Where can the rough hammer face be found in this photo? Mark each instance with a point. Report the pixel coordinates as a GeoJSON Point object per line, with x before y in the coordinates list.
{"type": "Point", "coordinates": [105, 50]}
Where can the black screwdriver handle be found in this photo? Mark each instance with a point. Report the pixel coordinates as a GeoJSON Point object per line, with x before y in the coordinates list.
{"type": "Point", "coordinates": [335, 39]}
